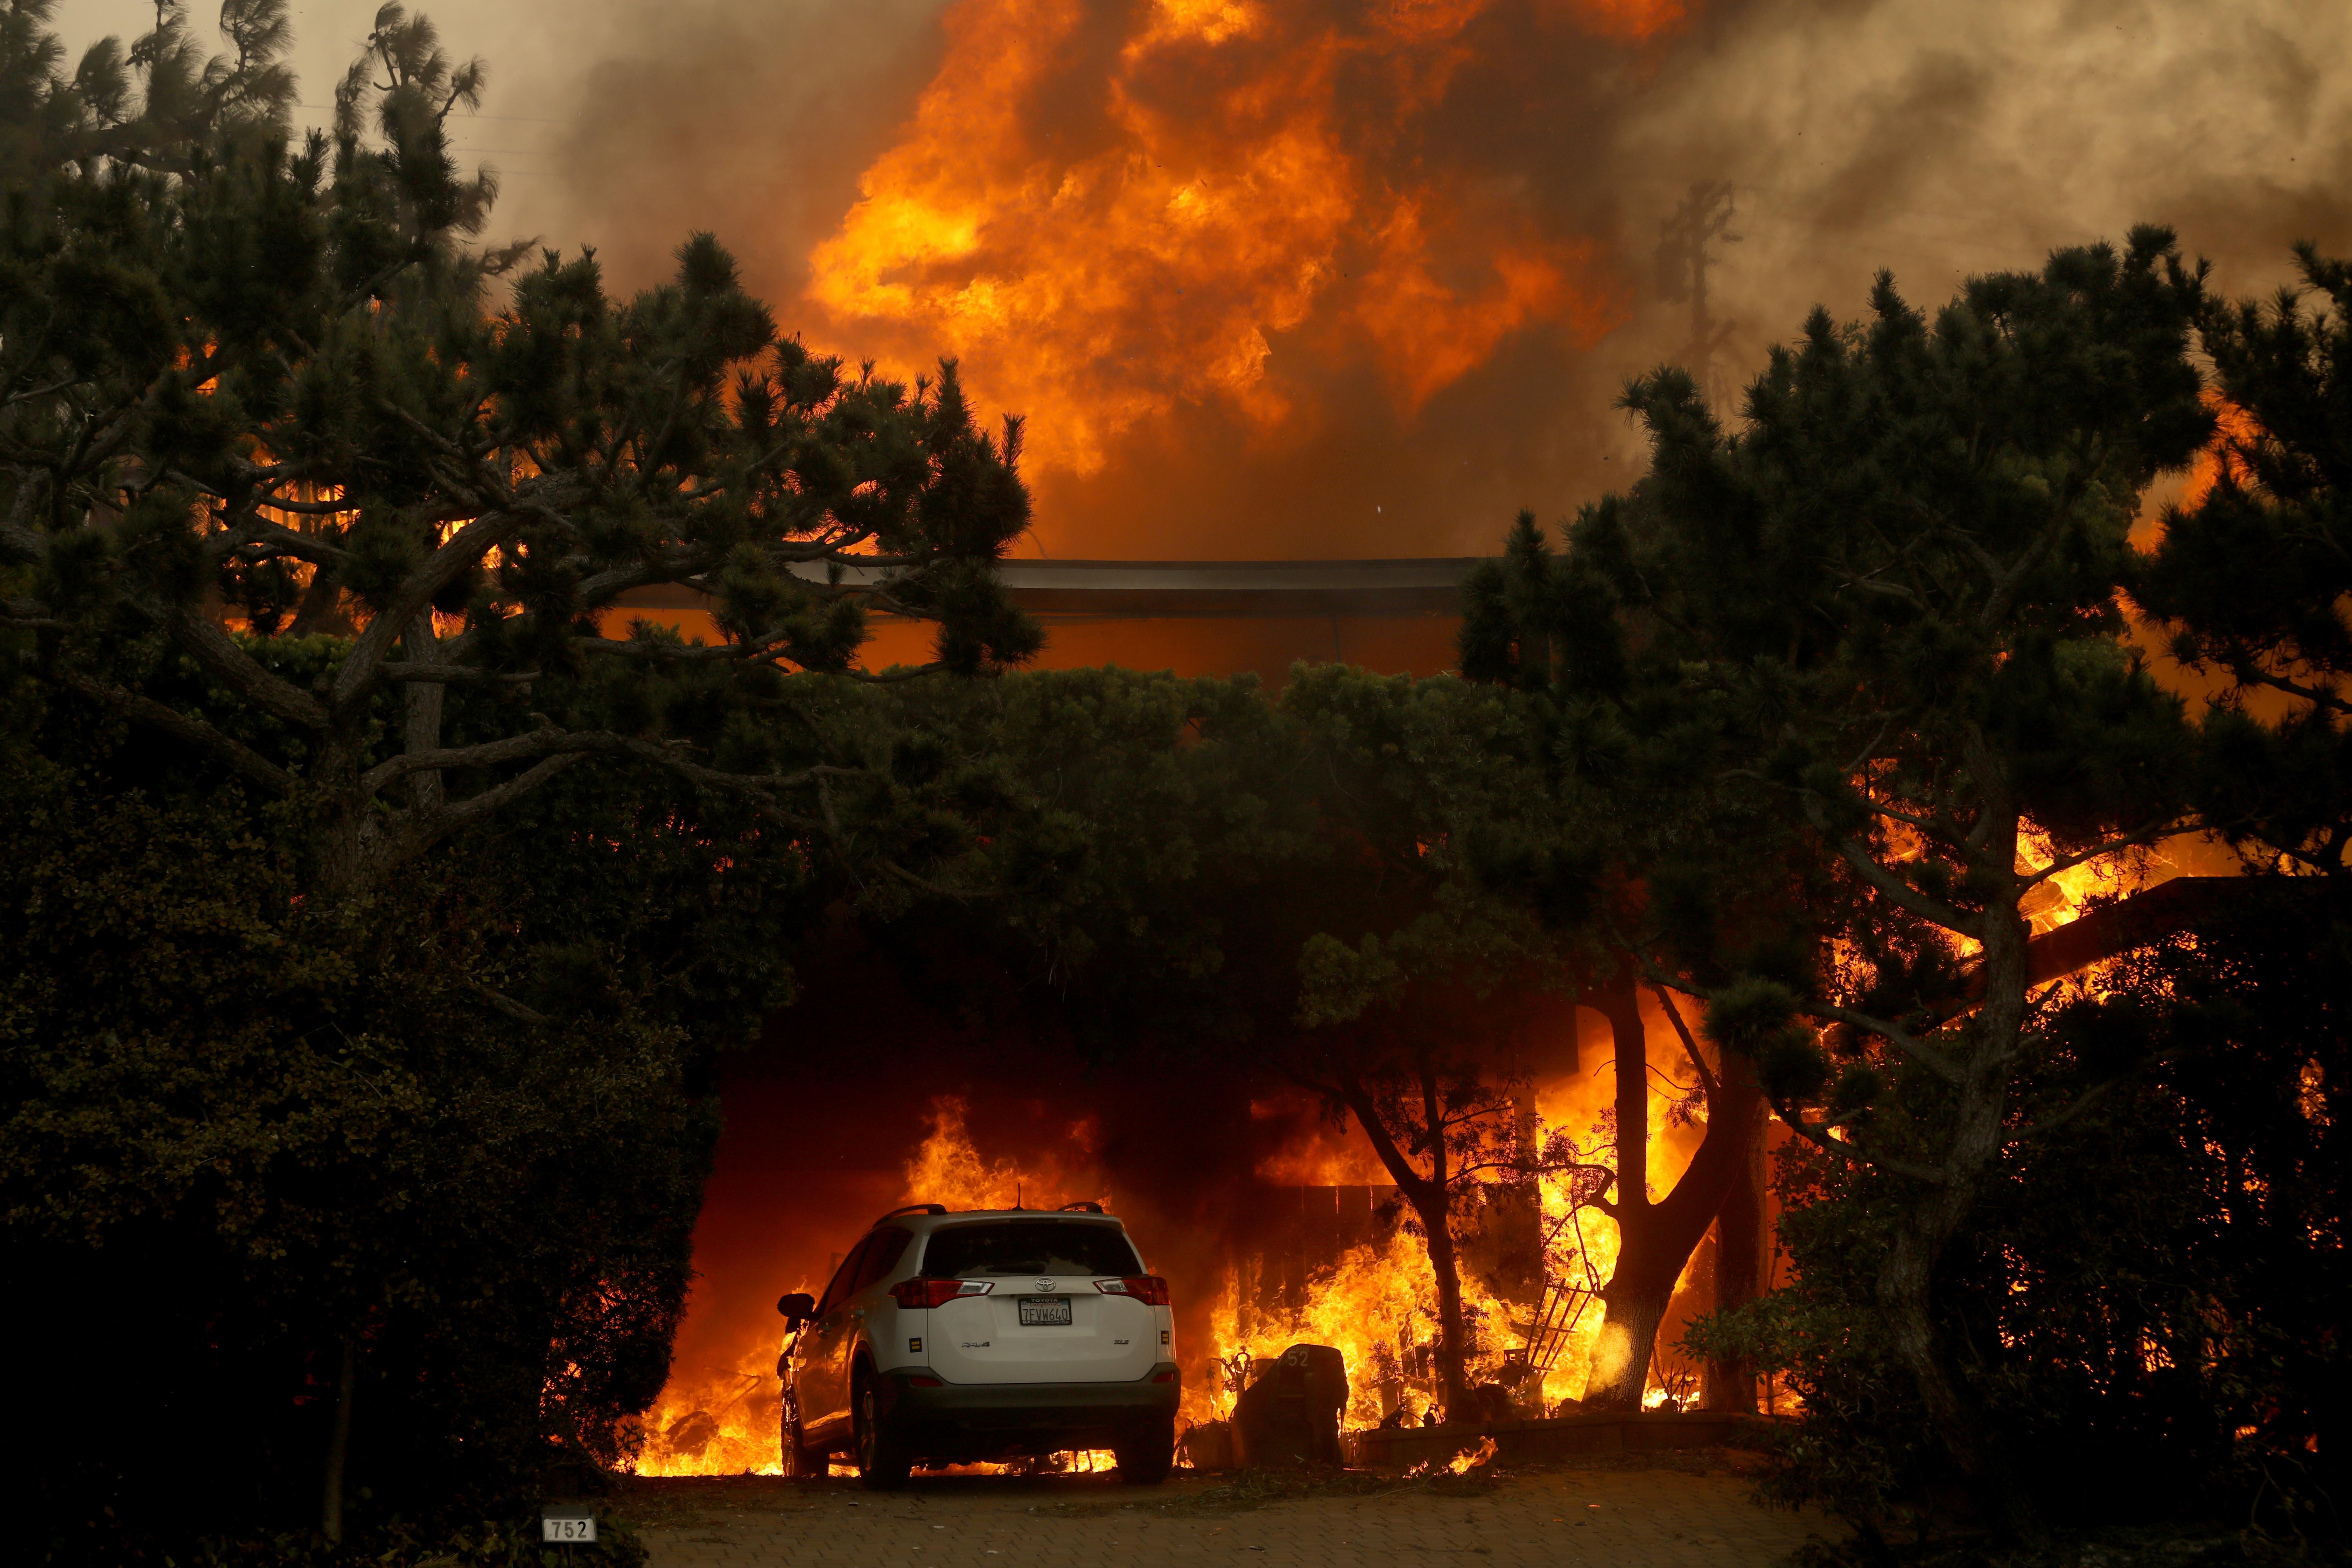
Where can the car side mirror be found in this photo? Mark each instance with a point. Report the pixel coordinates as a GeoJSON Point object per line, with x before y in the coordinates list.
{"type": "Point", "coordinates": [797, 1308]}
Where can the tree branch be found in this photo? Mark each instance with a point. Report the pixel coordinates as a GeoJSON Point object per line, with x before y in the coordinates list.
{"type": "Point", "coordinates": [1817, 1134]}
{"type": "Point", "coordinates": [439, 822]}
{"type": "Point", "coordinates": [217, 651]}
{"type": "Point", "coordinates": [364, 664]}
{"type": "Point", "coordinates": [1690, 1045]}
{"type": "Point", "coordinates": [500, 1001]}
{"type": "Point", "coordinates": [1894, 1034]}
{"type": "Point", "coordinates": [146, 710]}
{"type": "Point", "coordinates": [1886, 882]}
{"type": "Point", "coordinates": [455, 674]}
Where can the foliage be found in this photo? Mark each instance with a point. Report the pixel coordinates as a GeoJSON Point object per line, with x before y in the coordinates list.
{"type": "Point", "coordinates": [2142, 1268]}
{"type": "Point", "coordinates": [270, 377]}
{"type": "Point", "coordinates": [289, 1130]}
{"type": "Point", "coordinates": [2166, 1342]}
{"type": "Point", "coordinates": [2250, 580]}
{"type": "Point", "coordinates": [380, 888]}
{"type": "Point", "coordinates": [1883, 619]}
{"type": "Point", "coordinates": [1134, 849]}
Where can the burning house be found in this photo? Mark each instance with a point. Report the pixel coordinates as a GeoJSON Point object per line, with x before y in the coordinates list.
{"type": "Point", "coordinates": [1275, 1223]}
{"type": "Point", "coordinates": [1316, 281]}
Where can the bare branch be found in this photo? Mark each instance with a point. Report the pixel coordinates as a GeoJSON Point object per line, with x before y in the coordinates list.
{"type": "Point", "coordinates": [439, 822]}
{"type": "Point", "coordinates": [961, 895]}
{"type": "Point", "coordinates": [457, 674]}
{"type": "Point", "coordinates": [1690, 1045]}
{"type": "Point", "coordinates": [500, 1002]}
{"type": "Point", "coordinates": [31, 614]}
{"type": "Point", "coordinates": [146, 710]}
{"type": "Point", "coordinates": [1817, 1134]}
{"type": "Point", "coordinates": [489, 753]}
{"type": "Point", "coordinates": [217, 651]}
{"type": "Point", "coordinates": [255, 532]}
{"type": "Point", "coordinates": [552, 742]}
{"type": "Point", "coordinates": [477, 539]}
{"type": "Point", "coordinates": [2148, 833]}
{"type": "Point", "coordinates": [1894, 1034]}
{"type": "Point", "coordinates": [1897, 889]}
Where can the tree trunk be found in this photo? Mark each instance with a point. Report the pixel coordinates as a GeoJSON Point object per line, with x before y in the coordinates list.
{"type": "Point", "coordinates": [1432, 1200]}
{"type": "Point", "coordinates": [1906, 1280]}
{"type": "Point", "coordinates": [1452, 1377]}
{"type": "Point", "coordinates": [339, 1446]}
{"type": "Point", "coordinates": [1741, 1233]}
{"type": "Point", "coordinates": [422, 727]}
{"type": "Point", "coordinates": [1655, 1240]}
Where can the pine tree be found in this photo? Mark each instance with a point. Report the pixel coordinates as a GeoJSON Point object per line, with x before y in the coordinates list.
{"type": "Point", "coordinates": [1885, 615]}
{"type": "Point", "coordinates": [260, 392]}
{"type": "Point", "coordinates": [318, 522]}
{"type": "Point", "coordinates": [2251, 580]}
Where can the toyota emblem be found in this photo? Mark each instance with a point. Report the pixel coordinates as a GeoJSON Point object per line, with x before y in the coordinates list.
{"type": "Point", "coordinates": [1044, 1284]}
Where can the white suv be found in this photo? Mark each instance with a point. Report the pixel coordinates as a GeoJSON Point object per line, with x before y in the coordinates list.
{"type": "Point", "coordinates": [948, 1338]}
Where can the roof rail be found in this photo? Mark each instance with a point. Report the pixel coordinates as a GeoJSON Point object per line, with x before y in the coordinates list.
{"type": "Point", "coordinates": [1087, 1205]}
{"type": "Point", "coordinates": [915, 1208]}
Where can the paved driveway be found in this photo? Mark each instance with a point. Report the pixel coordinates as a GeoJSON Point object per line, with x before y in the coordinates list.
{"type": "Point", "coordinates": [1559, 1518]}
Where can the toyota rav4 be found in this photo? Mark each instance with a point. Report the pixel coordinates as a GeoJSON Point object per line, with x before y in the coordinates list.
{"type": "Point", "coordinates": [951, 1338]}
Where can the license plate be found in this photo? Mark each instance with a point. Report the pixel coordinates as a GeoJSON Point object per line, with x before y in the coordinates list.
{"type": "Point", "coordinates": [1037, 1312]}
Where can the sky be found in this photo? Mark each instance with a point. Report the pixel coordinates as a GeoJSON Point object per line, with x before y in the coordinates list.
{"type": "Point", "coordinates": [1340, 278]}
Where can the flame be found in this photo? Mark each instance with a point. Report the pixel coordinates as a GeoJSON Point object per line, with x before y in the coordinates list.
{"type": "Point", "coordinates": [2234, 431]}
{"type": "Point", "coordinates": [1100, 252]}
{"type": "Point", "coordinates": [1378, 1304]}
{"type": "Point", "coordinates": [946, 1169]}
{"type": "Point", "coordinates": [1463, 1463]}
{"type": "Point", "coordinates": [2061, 899]}
{"type": "Point", "coordinates": [1318, 1151]}
{"type": "Point", "coordinates": [722, 1420]}
{"type": "Point", "coordinates": [1634, 21]}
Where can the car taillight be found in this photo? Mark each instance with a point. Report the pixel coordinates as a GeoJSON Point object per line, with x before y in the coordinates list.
{"type": "Point", "coordinates": [937, 1292]}
{"type": "Point", "coordinates": [1148, 1289]}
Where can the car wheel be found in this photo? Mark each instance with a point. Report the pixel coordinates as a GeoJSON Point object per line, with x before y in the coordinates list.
{"type": "Point", "coordinates": [882, 1461]}
{"type": "Point", "coordinates": [798, 1460]}
{"type": "Point", "coordinates": [1145, 1452]}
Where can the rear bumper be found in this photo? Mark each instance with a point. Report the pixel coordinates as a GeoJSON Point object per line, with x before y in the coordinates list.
{"type": "Point", "coordinates": [1043, 1417]}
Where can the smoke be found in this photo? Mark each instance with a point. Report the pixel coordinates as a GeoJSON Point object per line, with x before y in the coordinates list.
{"type": "Point", "coordinates": [1362, 277]}
{"type": "Point", "coordinates": [1942, 141]}
{"type": "Point", "coordinates": [1435, 262]}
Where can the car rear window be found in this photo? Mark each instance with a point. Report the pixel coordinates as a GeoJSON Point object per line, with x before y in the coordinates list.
{"type": "Point", "coordinates": [1029, 1246]}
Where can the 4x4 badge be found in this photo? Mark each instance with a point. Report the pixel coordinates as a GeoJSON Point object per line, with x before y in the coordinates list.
{"type": "Point", "coordinates": [1046, 1285]}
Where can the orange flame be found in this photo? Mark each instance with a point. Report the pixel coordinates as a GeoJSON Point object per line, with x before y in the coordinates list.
{"type": "Point", "coordinates": [1101, 251]}
{"type": "Point", "coordinates": [2234, 431]}
{"type": "Point", "coordinates": [722, 1420]}
{"type": "Point", "coordinates": [1377, 1305]}
{"type": "Point", "coordinates": [1463, 1463]}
